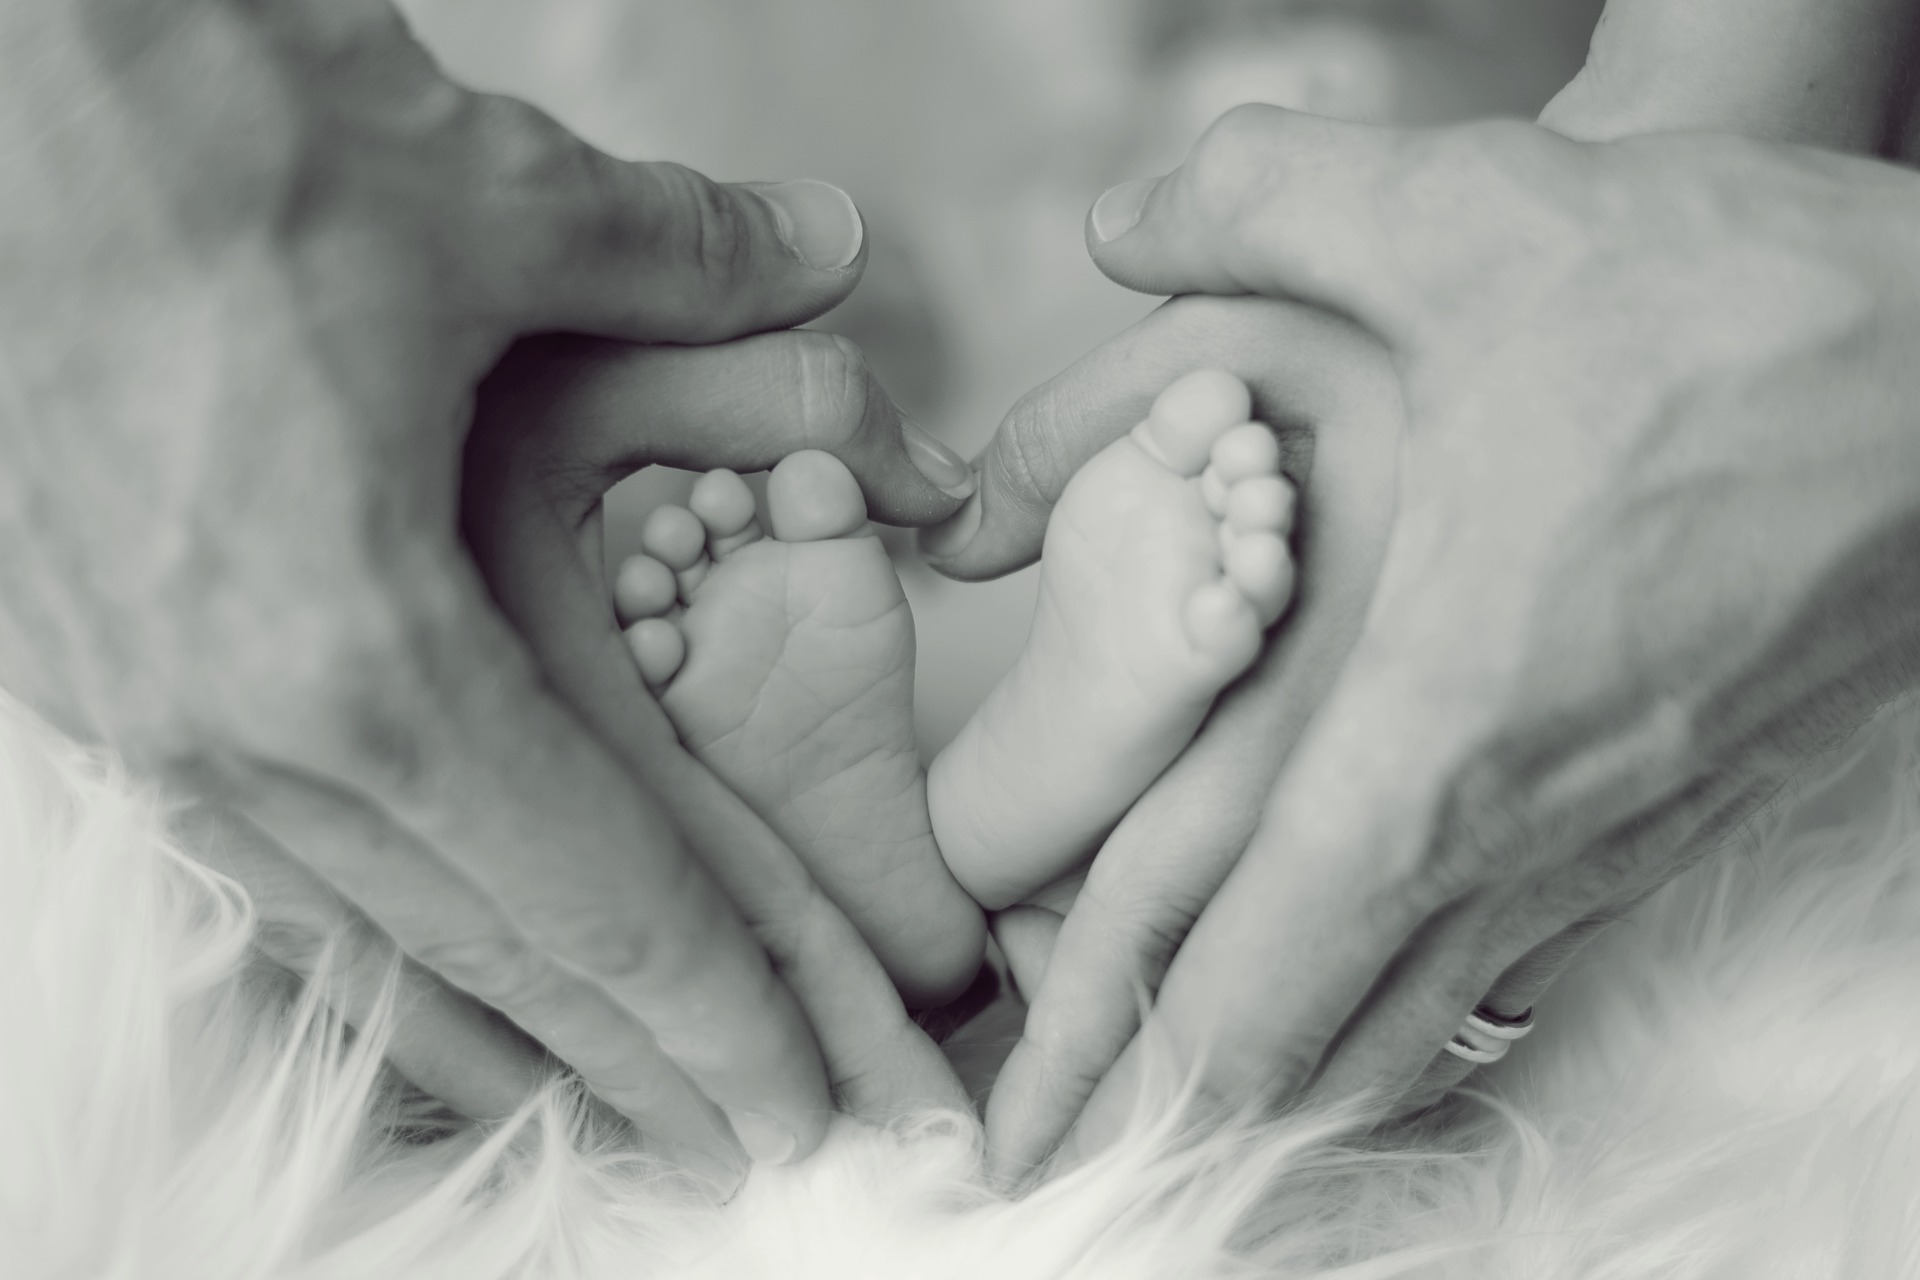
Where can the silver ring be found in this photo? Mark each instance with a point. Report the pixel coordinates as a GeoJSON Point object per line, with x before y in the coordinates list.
{"type": "Point", "coordinates": [1489, 1022]}
{"type": "Point", "coordinates": [1487, 1034]}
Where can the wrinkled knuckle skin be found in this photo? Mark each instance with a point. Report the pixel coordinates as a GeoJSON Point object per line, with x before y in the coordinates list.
{"type": "Point", "coordinates": [530, 164]}
{"type": "Point", "coordinates": [1074, 1061]}
{"type": "Point", "coordinates": [1030, 456]}
{"type": "Point", "coordinates": [498, 968]}
{"type": "Point", "coordinates": [1488, 203]}
{"type": "Point", "coordinates": [614, 950]}
{"type": "Point", "coordinates": [1232, 163]}
{"type": "Point", "coordinates": [1480, 834]}
{"type": "Point", "coordinates": [1258, 1074]}
{"type": "Point", "coordinates": [699, 223]}
{"type": "Point", "coordinates": [834, 387]}
{"type": "Point", "coordinates": [1242, 137]}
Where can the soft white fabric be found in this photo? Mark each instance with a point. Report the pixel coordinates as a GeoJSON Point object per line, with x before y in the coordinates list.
{"type": "Point", "coordinates": [1730, 1086]}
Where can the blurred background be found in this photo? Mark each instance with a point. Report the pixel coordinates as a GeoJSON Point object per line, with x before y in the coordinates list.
{"type": "Point", "coordinates": [974, 134]}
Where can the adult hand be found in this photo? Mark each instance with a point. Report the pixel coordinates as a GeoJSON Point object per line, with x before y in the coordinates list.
{"type": "Point", "coordinates": [258, 259]}
{"type": "Point", "coordinates": [1652, 66]}
{"type": "Point", "coordinates": [1627, 590]}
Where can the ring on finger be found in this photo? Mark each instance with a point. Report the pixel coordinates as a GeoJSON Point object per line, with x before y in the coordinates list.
{"type": "Point", "coordinates": [1487, 1034]}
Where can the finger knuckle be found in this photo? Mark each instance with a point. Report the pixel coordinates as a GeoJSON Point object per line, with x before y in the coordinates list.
{"type": "Point", "coordinates": [1152, 931]}
{"type": "Point", "coordinates": [834, 387]}
{"type": "Point", "coordinates": [530, 160]}
{"type": "Point", "coordinates": [613, 948]}
{"type": "Point", "coordinates": [1479, 831]}
{"type": "Point", "coordinates": [697, 222]}
{"type": "Point", "coordinates": [1490, 202]}
{"type": "Point", "coordinates": [295, 945]}
{"type": "Point", "coordinates": [1075, 1061]}
{"type": "Point", "coordinates": [1032, 459]}
{"type": "Point", "coordinates": [1233, 161]}
{"type": "Point", "coordinates": [1239, 1070]}
{"type": "Point", "coordinates": [495, 965]}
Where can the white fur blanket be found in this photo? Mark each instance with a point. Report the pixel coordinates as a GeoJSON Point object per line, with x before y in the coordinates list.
{"type": "Point", "coordinates": [1730, 1086]}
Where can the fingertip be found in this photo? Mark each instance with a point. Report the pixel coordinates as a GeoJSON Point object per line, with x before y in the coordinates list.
{"type": "Point", "coordinates": [1118, 210]}
{"type": "Point", "coordinates": [948, 540]}
{"type": "Point", "coordinates": [765, 1139]}
{"type": "Point", "coordinates": [1026, 935]}
{"type": "Point", "coordinates": [816, 222]}
{"type": "Point", "coordinates": [1023, 1121]}
{"type": "Point", "coordinates": [941, 466]}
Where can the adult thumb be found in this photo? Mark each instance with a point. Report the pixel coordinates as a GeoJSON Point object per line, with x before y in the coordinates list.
{"type": "Point", "coordinates": [653, 251]}
{"type": "Point", "coordinates": [1268, 202]}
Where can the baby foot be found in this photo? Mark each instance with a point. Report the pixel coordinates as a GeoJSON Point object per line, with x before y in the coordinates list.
{"type": "Point", "coordinates": [786, 665]}
{"type": "Point", "coordinates": [1165, 562]}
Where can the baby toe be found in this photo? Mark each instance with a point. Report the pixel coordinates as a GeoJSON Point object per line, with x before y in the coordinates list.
{"type": "Point", "coordinates": [675, 537]}
{"type": "Point", "coordinates": [1263, 504]}
{"type": "Point", "coordinates": [658, 649]}
{"type": "Point", "coordinates": [724, 504]}
{"type": "Point", "coordinates": [1261, 569]}
{"type": "Point", "coordinates": [1189, 416]}
{"type": "Point", "coordinates": [1214, 491]}
{"type": "Point", "coordinates": [1248, 450]}
{"type": "Point", "coordinates": [811, 496]}
{"type": "Point", "coordinates": [1221, 624]}
{"type": "Point", "coordinates": [643, 588]}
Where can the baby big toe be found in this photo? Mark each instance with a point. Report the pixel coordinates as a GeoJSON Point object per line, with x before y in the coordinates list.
{"type": "Point", "coordinates": [811, 496]}
{"type": "Point", "coordinates": [1189, 416]}
{"type": "Point", "coordinates": [675, 537]}
{"type": "Point", "coordinates": [725, 506]}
